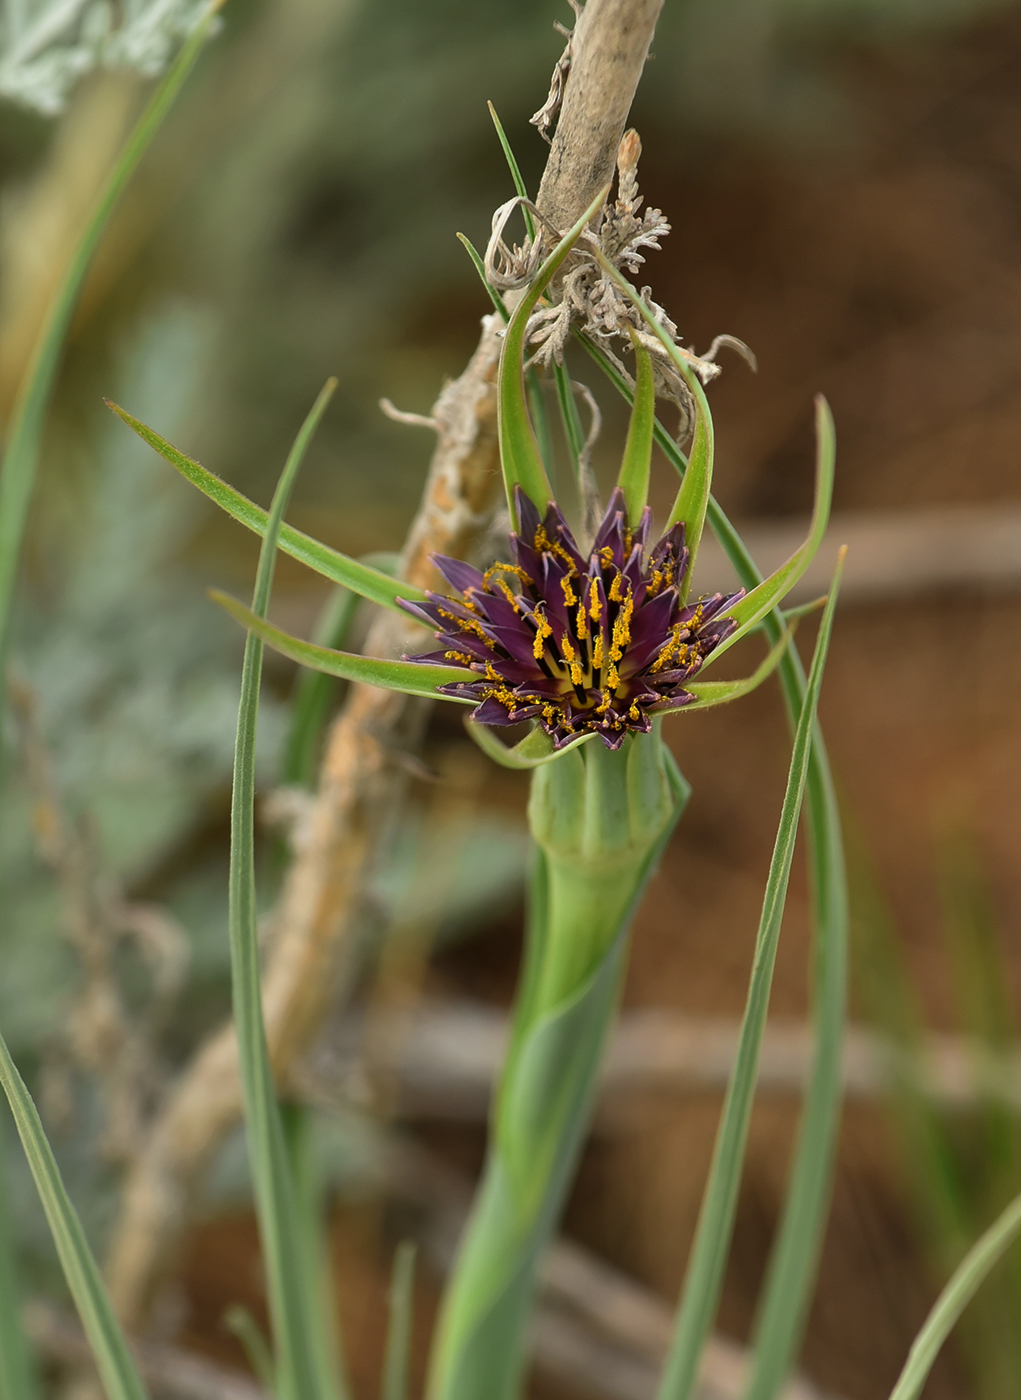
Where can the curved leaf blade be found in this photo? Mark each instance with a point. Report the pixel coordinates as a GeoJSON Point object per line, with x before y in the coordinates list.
{"type": "Point", "coordinates": [636, 466]}
{"type": "Point", "coordinates": [288, 1283]}
{"type": "Point", "coordinates": [519, 452]}
{"type": "Point", "coordinates": [955, 1297]}
{"type": "Point", "coordinates": [109, 1348]}
{"type": "Point", "coordinates": [407, 676]}
{"type": "Point", "coordinates": [532, 751]}
{"type": "Point", "coordinates": [368, 582]}
{"type": "Point", "coordinates": [692, 500]}
{"type": "Point", "coordinates": [762, 599]}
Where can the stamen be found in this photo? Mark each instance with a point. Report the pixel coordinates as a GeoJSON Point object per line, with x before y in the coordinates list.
{"type": "Point", "coordinates": [542, 631]}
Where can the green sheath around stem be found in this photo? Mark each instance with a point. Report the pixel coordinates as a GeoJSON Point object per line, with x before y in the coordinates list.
{"type": "Point", "coordinates": [600, 820]}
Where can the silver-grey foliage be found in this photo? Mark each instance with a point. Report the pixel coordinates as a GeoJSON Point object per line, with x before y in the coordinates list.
{"type": "Point", "coordinates": [47, 45]}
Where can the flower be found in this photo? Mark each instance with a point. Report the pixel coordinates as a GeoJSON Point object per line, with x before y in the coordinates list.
{"type": "Point", "coordinates": [596, 646]}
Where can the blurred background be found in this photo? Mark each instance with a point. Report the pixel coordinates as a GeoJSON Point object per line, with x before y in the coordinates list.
{"type": "Point", "coordinates": [844, 182]}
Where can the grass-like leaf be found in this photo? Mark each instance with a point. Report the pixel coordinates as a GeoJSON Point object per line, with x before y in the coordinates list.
{"type": "Point", "coordinates": [796, 1253]}
{"type": "Point", "coordinates": [407, 676]}
{"type": "Point", "coordinates": [19, 1379]}
{"type": "Point", "coordinates": [17, 475]}
{"type": "Point", "coordinates": [514, 168]}
{"type": "Point", "coordinates": [704, 1280]}
{"type": "Point", "coordinates": [291, 1294]}
{"type": "Point", "coordinates": [519, 452]}
{"type": "Point", "coordinates": [398, 1333]}
{"type": "Point", "coordinates": [574, 434]}
{"type": "Point", "coordinates": [374, 584]}
{"type": "Point", "coordinates": [636, 465]}
{"type": "Point", "coordinates": [243, 1326]}
{"type": "Point", "coordinates": [763, 598]}
{"type": "Point", "coordinates": [114, 1361]}
{"type": "Point", "coordinates": [954, 1299]}
{"type": "Point", "coordinates": [692, 500]}
{"type": "Point", "coordinates": [480, 267]}
{"type": "Point", "coordinates": [312, 1230]}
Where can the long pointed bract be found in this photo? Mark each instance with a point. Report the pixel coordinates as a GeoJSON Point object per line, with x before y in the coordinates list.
{"type": "Point", "coordinates": [362, 579]}
{"type": "Point", "coordinates": [407, 676]}
{"type": "Point", "coordinates": [635, 468]}
{"type": "Point", "coordinates": [519, 453]}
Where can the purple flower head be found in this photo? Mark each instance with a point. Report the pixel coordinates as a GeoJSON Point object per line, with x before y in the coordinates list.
{"type": "Point", "coordinates": [594, 645]}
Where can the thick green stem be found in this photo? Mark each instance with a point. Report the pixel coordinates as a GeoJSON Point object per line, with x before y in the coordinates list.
{"type": "Point", "coordinates": [600, 820]}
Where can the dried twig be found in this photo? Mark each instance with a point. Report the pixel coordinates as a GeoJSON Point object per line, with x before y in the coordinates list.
{"type": "Point", "coordinates": [313, 944]}
{"type": "Point", "coordinates": [444, 1056]}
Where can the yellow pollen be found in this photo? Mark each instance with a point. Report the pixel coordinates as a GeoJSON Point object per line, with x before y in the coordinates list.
{"type": "Point", "coordinates": [634, 712]}
{"type": "Point", "coordinates": [595, 607]}
{"type": "Point", "coordinates": [570, 597]}
{"type": "Point", "coordinates": [606, 555]}
{"type": "Point", "coordinates": [581, 622]}
{"type": "Point", "coordinates": [466, 624]}
{"type": "Point", "coordinates": [597, 652]}
{"type": "Point", "coordinates": [622, 629]}
{"type": "Point", "coordinates": [615, 595]}
{"type": "Point", "coordinates": [461, 656]}
{"type": "Point", "coordinates": [567, 651]}
{"type": "Point", "coordinates": [543, 630]}
{"type": "Point", "coordinates": [605, 697]}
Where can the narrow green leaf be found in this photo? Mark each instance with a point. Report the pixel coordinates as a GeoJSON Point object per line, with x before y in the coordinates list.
{"type": "Point", "coordinates": [398, 1334]}
{"type": "Point", "coordinates": [480, 268]}
{"type": "Point", "coordinates": [242, 1325]}
{"type": "Point", "coordinates": [514, 168]}
{"type": "Point", "coordinates": [17, 475]}
{"type": "Point", "coordinates": [407, 676]}
{"type": "Point", "coordinates": [636, 467]}
{"type": "Point", "coordinates": [574, 434]}
{"type": "Point", "coordinates": [709, 693]}
{"type": "Point", "coordinates": [370, 583]}
{"type": "Point", "coordinates": [290, 1291]}
{"type": "Point", "coordinates": [763, 598]}
{"type": "Point", "coordinates": [519, 452]}
{"type": "Point", "coordinates": [704, 1280]}
{"type": "Point", "coordinates": [796, 1254]}
{"type": "Point", "coordinates": [107, 1343]}
{"type": "Point", "coordinates": [692, 500]}
{"type": "Point", "coordinates": [19, 1379]}
{"type": "Point", "coordinates": [540, 420]}
{"type": "Point", "coordinates": [954, 1299]}
{"type": "Point", "coordinates": [312, 1226]}
{"type": "Point", "coordinates": [532, 751]}
{"type": "Point", "coordinates": [313, 691]}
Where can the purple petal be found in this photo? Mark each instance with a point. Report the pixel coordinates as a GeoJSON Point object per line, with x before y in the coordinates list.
{"type": "Point", "coordinates": [457, 573]}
